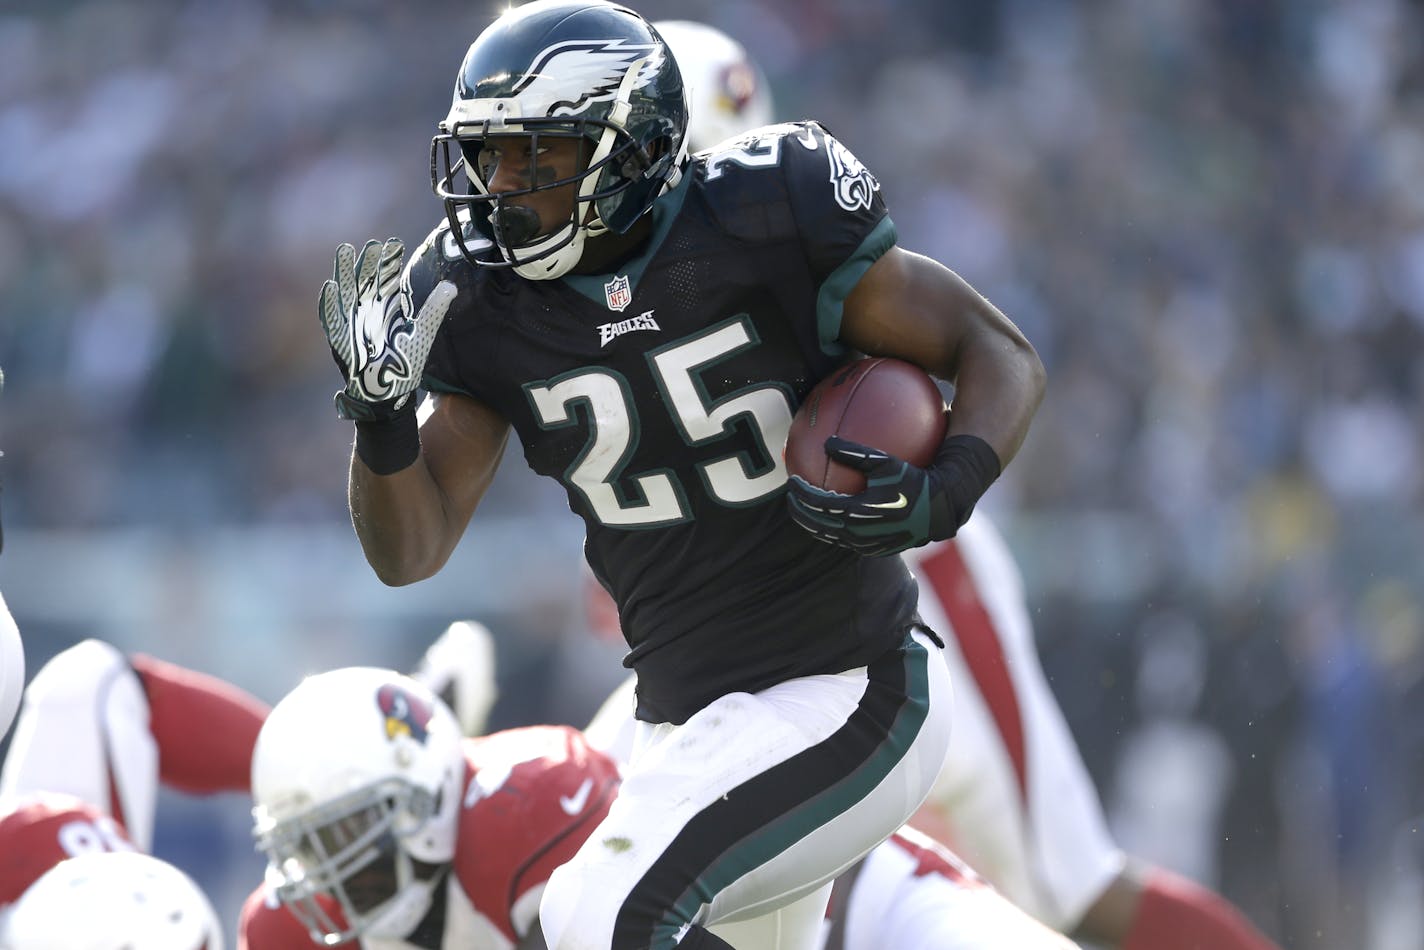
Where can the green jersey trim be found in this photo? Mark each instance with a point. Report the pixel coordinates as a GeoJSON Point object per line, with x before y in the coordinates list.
{"type": "Point", "coordinates": [431, 384]}
{"type": "Point", "coordinates": [830, 299]}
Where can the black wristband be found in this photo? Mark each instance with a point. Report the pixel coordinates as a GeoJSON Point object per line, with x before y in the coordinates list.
{"type": "Point", "coordinates": [388, 445]}
{"type": "Point", "coordinates": [965, 466]}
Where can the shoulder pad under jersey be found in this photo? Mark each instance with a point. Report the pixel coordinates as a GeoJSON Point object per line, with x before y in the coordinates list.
{"type": "Point", "coordinates": [533, 797]}
{"type": "Point", "coordinates": [795, 185]}
{"type": "Point", "coordinates": [792, 178]}
{"type": "Point", "coordinates": [39, 831]}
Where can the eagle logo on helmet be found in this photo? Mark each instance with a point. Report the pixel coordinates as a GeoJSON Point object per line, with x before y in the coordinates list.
{"type": "Point", "coordinates": [406, 715]}
{"type": "Point", "coordinates": [566, 77]}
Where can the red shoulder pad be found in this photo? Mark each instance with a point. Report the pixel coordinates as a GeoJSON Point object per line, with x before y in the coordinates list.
{"type": "Point", "coordinates": [533, 797]}
{"type": "Point", "coordinates": [41, 830]}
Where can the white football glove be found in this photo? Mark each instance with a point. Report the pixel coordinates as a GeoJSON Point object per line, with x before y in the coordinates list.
{"type": "Point", "coordinates": [379, 348]}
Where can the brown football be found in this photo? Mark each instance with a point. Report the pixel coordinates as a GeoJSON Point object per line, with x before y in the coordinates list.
{"type": "Point", "coordinates": [883, 403]}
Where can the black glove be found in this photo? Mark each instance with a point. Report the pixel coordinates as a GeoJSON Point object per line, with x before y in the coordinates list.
{"type": "Point", "coordinates": [903, 505]}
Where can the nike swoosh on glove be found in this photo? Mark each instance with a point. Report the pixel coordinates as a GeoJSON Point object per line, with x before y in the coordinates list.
{"type": "Point", "coordinates": [903, 505]}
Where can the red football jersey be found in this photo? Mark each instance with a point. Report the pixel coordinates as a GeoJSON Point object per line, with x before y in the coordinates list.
{"type": "Point", "coordinates": [41, 830]}
{"type": "Point", "coordinates": [532, 796]}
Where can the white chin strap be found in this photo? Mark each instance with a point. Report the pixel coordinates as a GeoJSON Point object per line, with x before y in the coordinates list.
{"type": "Point", "coordinates": [557, 263]}
{"type": "Point", "coordinates": [563, 260]}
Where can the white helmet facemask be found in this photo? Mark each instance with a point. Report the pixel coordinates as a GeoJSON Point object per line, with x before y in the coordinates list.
{"type": "Point", "coordinates": [566, 68]}
{"type": "Point", "coordinates": [356, 777]}
{"type": "Point", "coordinates": [554, 255]}
{"type": "Point", "coordinates": [339, 867]}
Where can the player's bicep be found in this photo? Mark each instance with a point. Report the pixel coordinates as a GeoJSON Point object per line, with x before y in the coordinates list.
{"type": "Point", "coordinates": [911, 307]}
{"type": "Point", "coordinates": [462, 441]}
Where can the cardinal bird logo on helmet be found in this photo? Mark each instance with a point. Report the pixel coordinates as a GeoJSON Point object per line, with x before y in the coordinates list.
{"type": "Point", "coordinates": [406, 715]}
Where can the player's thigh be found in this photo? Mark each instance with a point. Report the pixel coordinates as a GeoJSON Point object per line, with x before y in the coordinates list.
{"type": "Point", "coordinates": [758, 800]}
{"type": "Point", "coordinates": [863, 817]}
{"type": "Point", "coordinates": [1028, 819]}
{"type": "Point", "coordinates": [672, 815]}
{"type": "Point", "coordinates": [1014, 793]}
{"type": "Point", "coordinates": [1075, 857]}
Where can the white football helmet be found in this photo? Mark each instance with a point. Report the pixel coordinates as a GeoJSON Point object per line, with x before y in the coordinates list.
{"type": "Point", "coordinates": [727, 93]}
{"type": "Point", "coordinates": [356, 777]}
{"type": "Point", "coordinates": [112, 900]}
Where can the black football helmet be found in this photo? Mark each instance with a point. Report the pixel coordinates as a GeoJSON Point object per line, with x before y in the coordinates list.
{"type": "Point", "coordinates": [570, 68]}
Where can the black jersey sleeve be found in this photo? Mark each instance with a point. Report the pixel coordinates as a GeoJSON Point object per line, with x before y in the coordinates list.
{"type": "Point", "coordinates": [840, 218]}
{"type": "Point", "coordinates": [796, 185]}
{"type": "Point", "coordinates": [835, 202]}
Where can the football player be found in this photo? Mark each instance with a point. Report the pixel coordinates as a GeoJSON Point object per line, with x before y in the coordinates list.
{"type": "Point", "coordinates": [1043, 842]}
{"type": "Point", "coordinates": [647, 324]}
{"type": "Point", "coordinates": [77, 799]}
{"type": "Point", "coordinates": [99, 730]}
{"type": "Point", "coordinates": [108, 728]}
{"type": "Point", "coordinates": [1014, 797]}
{"type": "Point", "coordinates": [382, 823]}
{"type": "Point", "coordinates": [340, 732]}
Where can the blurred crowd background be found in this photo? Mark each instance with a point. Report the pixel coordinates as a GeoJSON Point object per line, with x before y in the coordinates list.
{"type": "Point", "coordinates": [1206, 214]}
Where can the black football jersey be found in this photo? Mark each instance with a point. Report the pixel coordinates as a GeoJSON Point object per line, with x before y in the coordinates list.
{"type": "Point", "coordinates": [660, 396]}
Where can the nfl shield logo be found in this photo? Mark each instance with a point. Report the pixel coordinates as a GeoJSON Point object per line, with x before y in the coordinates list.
{"type": "Point", "coordinates": [618, 293]}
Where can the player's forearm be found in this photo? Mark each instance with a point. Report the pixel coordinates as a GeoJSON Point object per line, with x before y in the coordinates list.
{"type": "Point", "coordinates": [411, 506]}
{"type": "Point", "coordinates": [998, 378]}
{"type": "Point", "coordinates": [402, 521]}
{"type": "Point", "coordinates": [997, 390]}
{"type": "Point", "coordinates": [914, 308]}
